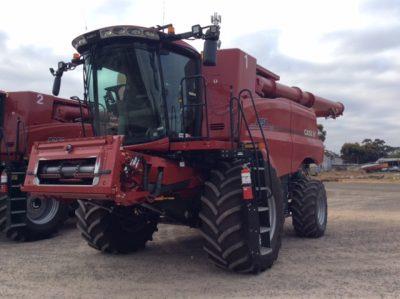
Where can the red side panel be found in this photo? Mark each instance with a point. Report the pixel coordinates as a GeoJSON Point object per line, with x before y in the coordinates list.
{"type": "Point", "coordinates": [274, 116]}
{"type": "Point", "coordinates": [306, 143]}
{"type": "Point", "coordinates": [235, 69]}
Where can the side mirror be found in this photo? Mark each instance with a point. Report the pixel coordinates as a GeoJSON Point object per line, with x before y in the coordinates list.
{"type": "Point", "coordinates": [56, 85]}
{"type": "Point", "coordinates": [62, 66]}
{"type": "Point", "coordinates": [210, 52]}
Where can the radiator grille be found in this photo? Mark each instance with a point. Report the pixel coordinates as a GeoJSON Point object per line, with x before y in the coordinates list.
{"type": "Point", "coordinates": [217, 127]}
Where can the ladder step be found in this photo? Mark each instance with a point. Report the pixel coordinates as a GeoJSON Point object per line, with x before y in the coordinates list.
{"type": "Point", "coordinates": [17, 225]}
{"type": "Point", "coordinates": [264, 229]}
{"type": "Point", "coordinates": [262, 188]}
{"type": "Point", "coordinates": [17, 198]}
{"type": "Point", "coordinates": [265, 250]}
{"type": "Point", "coordinates": [16, 186]}
{"type": "Point", "coordinates": [263, 209]}
{"type": "Point", "coordinates": [258, 168]}
{"type": "Point", "coordinates": [18, 212]}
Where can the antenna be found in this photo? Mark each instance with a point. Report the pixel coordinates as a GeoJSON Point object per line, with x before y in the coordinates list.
{"type": "Point", "coordinates": [83, 11]}
{"type": "Point", "coordinates": [84, 19]}
{"type": "Point", "coordinates": [163, 12]}
{"type": "Point", "coordinates": [216, 19]}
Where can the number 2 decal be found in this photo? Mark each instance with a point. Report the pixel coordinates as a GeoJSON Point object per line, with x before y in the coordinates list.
{"type": "Point", "coordinates": [39, 99]}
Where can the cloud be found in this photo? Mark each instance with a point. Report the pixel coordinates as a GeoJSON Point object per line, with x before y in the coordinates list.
{"type": "Point", "coordinates": [367, 41]}
{"type": "Point", "coordinates": [368, 85]}
{"type": "Point", "coordinates": [391, 7]}
{"type": "Point", "coordinates": [27, 68]}
{"type": "Point", "coordinates": [113, 7]}
{"type": "Point", "coordinates": [3, 39]}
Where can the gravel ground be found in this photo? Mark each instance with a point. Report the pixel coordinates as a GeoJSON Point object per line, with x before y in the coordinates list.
{"type": "Point", "coordinates": [359, 256]}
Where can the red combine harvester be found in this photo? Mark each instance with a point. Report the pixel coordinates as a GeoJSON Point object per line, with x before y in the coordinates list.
{"type": "Point", "coordinates": [211, 141]}
{"type": "Point", "coordinates": [26, 117]}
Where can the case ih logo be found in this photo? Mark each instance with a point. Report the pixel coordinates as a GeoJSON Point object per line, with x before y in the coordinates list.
{"type": "Point", "coordinates": [310, 133]}
{"type": "Point", "coordinates": [255, 126]}
{"type": "Point", "coordinates": [55, 139]}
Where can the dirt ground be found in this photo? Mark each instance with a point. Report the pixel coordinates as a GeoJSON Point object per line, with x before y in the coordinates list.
{"type": "Point", "coordinates": [359, 256]}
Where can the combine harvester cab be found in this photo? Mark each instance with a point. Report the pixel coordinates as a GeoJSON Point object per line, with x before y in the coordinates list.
{"type": "Point", "coordinates": [27, 117]}
{"type": "Point", "coordinates": [212, 141]}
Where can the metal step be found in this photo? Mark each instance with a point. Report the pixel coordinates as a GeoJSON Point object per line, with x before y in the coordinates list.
{"type": "Point", "coordinates": [262, 188]}
{"type": "Point", "coordinates": [16, 186]}
{"type": "Point", "coordinates": [258, 168]}
{"type": "Point", "coordinates": [17, 225]}
{"type": "Point", "coordinates": [263, 209]}
{"type": "Point", "coordinates": [17, 198]}
{"type": "Point", "coordinates": [265, 250]}
{"type": "Point", "coordinates": [264, 229]}
{"type": "Point", "coordinates": [18, 212]}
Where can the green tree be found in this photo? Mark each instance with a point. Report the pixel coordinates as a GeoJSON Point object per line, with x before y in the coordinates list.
{"type": "Point", "coordinates": [368, 151]}
{"type": "Point", "coordinates": [375, 149]}
{"type": "Point", "coordinates": [352, 152]}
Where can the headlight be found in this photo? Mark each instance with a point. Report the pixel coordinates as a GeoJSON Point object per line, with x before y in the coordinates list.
{"type": "Point", "coordinates": [79, 42]}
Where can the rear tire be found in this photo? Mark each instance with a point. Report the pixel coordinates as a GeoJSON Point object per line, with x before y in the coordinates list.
{"type": "Point", "coordinates": [40, 224]}
{"type": "Point", "coordinates": [309, 207]}
{"type": "Point", "coordinates": [118, 230]}
{"type": "Point", "coordinates": [223, 225]}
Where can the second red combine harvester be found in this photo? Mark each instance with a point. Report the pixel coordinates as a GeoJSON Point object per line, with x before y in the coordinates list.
{"type": "Point", "coordinates": [212, 141]}
{"type": "Point", "coordinates": [27, 117]}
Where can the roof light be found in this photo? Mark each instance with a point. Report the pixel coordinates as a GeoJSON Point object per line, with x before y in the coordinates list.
{"type": "Point", "coordinates": [114, 31]}
{"type": "Point", "coordinates": [196, 30]}
{"type": "Point", "coordinates": [171, 29]}
{"type": "Point", "coordinates": [79, 42]}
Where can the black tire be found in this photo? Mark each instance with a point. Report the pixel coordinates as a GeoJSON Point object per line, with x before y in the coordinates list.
{"type": "Point", "coordinates": [117, 230]}
{"type": "Point", "coordinates": [223, 225]}
{"type": "Point", "coordinates": [3, 212]}
{"type": "Point", "coordinates": [38, 228]}
{"type": "Point", "coordinates": [309, 207]}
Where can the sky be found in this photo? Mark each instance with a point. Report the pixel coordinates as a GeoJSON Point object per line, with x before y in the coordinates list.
{"type": "Point", "coordinates": [343, 50]}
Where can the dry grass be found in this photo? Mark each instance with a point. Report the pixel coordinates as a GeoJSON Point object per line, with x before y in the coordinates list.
{"type": "Point", "coordinates": [359, 176]}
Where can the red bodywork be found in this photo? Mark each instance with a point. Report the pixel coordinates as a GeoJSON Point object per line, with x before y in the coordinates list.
{"type": "Point", "coordinates": [288, 117]}
{"type": "Point", "coordinates": [30, 116]}
{"type": "Point", "coordinates": [107, 181]}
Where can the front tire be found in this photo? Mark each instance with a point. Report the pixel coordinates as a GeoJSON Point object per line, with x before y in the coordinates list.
{"type": "Point", "coordinates": [224, 225]}
{"type": "Point", "coordinates": [43, 219]}
{"type": "Point", "coordinates": [309, 208]}
{"type": "Point", "coordinates": [118, 230]}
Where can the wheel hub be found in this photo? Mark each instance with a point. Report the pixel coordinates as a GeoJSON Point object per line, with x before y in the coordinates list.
{"type": "Point", "coordinates": [41, 211]}
{"type": "Point", "coordinates": [36, 203]}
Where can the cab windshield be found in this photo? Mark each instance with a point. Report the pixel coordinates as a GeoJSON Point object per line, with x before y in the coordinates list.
{"type": "Point", "coordinates": [135, 90]}
{"type": "Point", "coordinates": [125, 92]}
